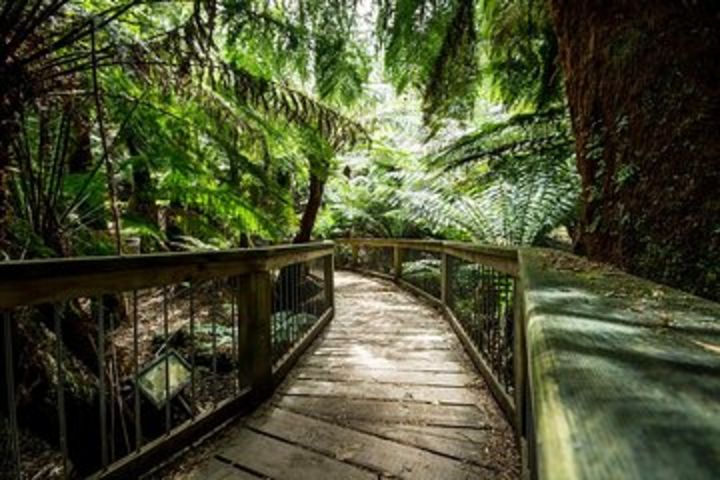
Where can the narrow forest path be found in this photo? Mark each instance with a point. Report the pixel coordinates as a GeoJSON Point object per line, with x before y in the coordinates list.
{"type": "Point", "coordinates": [385, 392]}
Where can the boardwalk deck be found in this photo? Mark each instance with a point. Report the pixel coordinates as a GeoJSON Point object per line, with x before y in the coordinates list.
{"type": "Point", "coordinates": [386, 392]}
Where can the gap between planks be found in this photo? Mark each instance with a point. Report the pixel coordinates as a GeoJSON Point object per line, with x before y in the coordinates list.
{"type": "Point", "coordinates": [364, 450]}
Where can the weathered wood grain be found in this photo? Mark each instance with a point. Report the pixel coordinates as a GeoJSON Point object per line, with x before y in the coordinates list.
{"type": "Point", "coordinates": [277, 459]}
{"type": "Point", "coordinates": [389, 353]}
{"type": "Point", "coordinates": [381, 455]}
{"type": "Point", "coordinates": [375, 391]}
{"type": "Point", "coordinates": [440, 379]}
{"type": "Point", "coordinates": [424, 365]}
{"type": "Point", "coordinates": [468, 445]}
{"type": "Point", "coordinates": [411, 413]}
{"type": "Point", "coordinates": [624, 374]}
{"type": "Point", "coordinates": [30, 282]}
{"type": "Point", "coordinates": [218, 470]}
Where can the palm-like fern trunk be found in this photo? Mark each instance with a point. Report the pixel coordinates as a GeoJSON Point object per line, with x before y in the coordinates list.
{"type": "Point", "coordinates": [643, 84]}
{"type": "Point", "coordinates": [307, 222]}
{"type": "Point", "coordinates": [9, 108]}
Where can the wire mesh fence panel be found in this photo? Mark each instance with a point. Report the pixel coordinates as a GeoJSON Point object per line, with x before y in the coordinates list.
{"type": "Point", "coordinates": [481, 299]}
{"type": "Point", "coordinates": [423, 270]}
{"type": "Point", "coordinates": [91, 380]}
{"type": "Point", "coordinates": [299, 300]}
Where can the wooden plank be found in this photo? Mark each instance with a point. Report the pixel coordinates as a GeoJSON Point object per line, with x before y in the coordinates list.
{"type": "Point", "coordinates": [214, 469]}
{"type": "Point", "coordinates": [476, 446]}
{"type": "Point", "coordinates": [379, 364]}
{"type": "Point", "coordinates": [387, 376]}
{"type": "Point", "coordinates": [388, 317]}
{"type": "Point", "coordinates": [387, 351]}
{"type": "Point", "coordinates": [375, 327]}
{"type": "Point", "coordinates": [388, 354]}
{"type": "Point", "coordinates": [385, 457]}
{"type": "Point", "coordinates": [413, 344]}
{"type": "Point", "coordinates": [383, 318]}
{"type": "Point", "coordinates": [338, 335]}
{"type": "Point", "coordinates": [375, 391]}
{"type": "Point", "coordinates": [180, 437]}
{"type": "Point", "coordinates": [284, 259]}
{"type": "Point", "coordinates": [340, 410]}
{"type": "Point", "coordinates": [280, 460]}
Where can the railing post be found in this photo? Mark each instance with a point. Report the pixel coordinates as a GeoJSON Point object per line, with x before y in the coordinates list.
{"type": "Point", "coordinates": [355, 250]}
{"type": "Point", "coordinates": [397, 262]}
{"type": "Point", "coordinates": [254, 338]}
{"type": "Point", "coordinates": [444, 279]}
{"type": "Point", "coordinates": [329, 276]}
{"type": "Point", "coordinates": [9, 466]}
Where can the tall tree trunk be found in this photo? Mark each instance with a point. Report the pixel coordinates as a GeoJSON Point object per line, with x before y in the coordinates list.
{"type": "Point", "coordinates": [307, 222]}
{"type": "Point", "coordinates": [643, 84]}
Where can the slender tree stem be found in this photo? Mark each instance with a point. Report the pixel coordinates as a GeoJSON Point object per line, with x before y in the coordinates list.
{"type": "Point", "coordinates": [112, 192]}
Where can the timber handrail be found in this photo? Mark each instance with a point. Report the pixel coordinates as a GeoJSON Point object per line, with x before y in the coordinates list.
{"type": "Point", "coordinates": [31, 282]}
{"type": "Point", "coordinates": [269, 303]}
{"type": "Point", "coordinates": [504, 257]}
{"type": "Point", "coordinates": [612, 376]}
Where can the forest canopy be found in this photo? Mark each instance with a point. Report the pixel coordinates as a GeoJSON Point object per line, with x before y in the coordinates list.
{"type": "Point", "coordinates": [142, 126]}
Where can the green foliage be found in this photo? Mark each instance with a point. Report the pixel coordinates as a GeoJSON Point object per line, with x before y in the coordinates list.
{"type": "Point", "coordinates": [216, 114]}
{"type": "Point", "coordinates": [542, 137]}
{"type": "Point", "coordinates": [520, 54]}
{"type": "Point", "coordinates": [504, 211]}
{"type": "Point", "coordinates": [455, 49]}
{"type": "Point", "coordinates": [206, 125]}
{"type": "Point", "coordinates": [512, 181]}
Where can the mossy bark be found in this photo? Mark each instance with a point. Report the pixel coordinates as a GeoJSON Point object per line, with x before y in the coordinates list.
{"type": "Point", "coordinates": [643, 84]}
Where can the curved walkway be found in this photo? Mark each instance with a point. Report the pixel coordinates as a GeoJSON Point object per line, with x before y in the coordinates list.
{"type": "Point", "coordinates": [385, 392]}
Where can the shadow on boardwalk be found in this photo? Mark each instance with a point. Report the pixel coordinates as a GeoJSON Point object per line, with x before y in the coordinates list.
{"type": "Point", "coordinates": [386, 392]}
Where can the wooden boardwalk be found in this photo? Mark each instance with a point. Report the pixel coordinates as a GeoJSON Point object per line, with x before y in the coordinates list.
{"type": "Point", "coordinates": [386, 392]}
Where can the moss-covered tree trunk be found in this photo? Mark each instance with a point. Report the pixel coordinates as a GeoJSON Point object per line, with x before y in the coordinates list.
{"type": "Point", "coordinates": [643, 84]}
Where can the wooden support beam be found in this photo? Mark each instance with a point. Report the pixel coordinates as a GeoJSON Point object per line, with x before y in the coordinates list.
{"type": "Point", "coordinates": [444, 279]}
{"type": "Point", "coordinates": [255, 349]}
{"type": "Point", "coordinates": [329, 274]}
{"type": "Point", "coordinates": [397, 262]}
{"type": "Point", "coordinates": [355, 251]}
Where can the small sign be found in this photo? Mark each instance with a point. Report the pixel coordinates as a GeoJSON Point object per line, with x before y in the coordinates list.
{"type": "Point", "coordinates": [152, 378]}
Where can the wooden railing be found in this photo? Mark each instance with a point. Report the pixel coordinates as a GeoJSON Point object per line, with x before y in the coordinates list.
{"type": "Point", "coordinates": [476, 288]}
{"type": "Point", "coordinates": [155, 351]}
{"type": "Point", "coordinates": [603, 375]}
